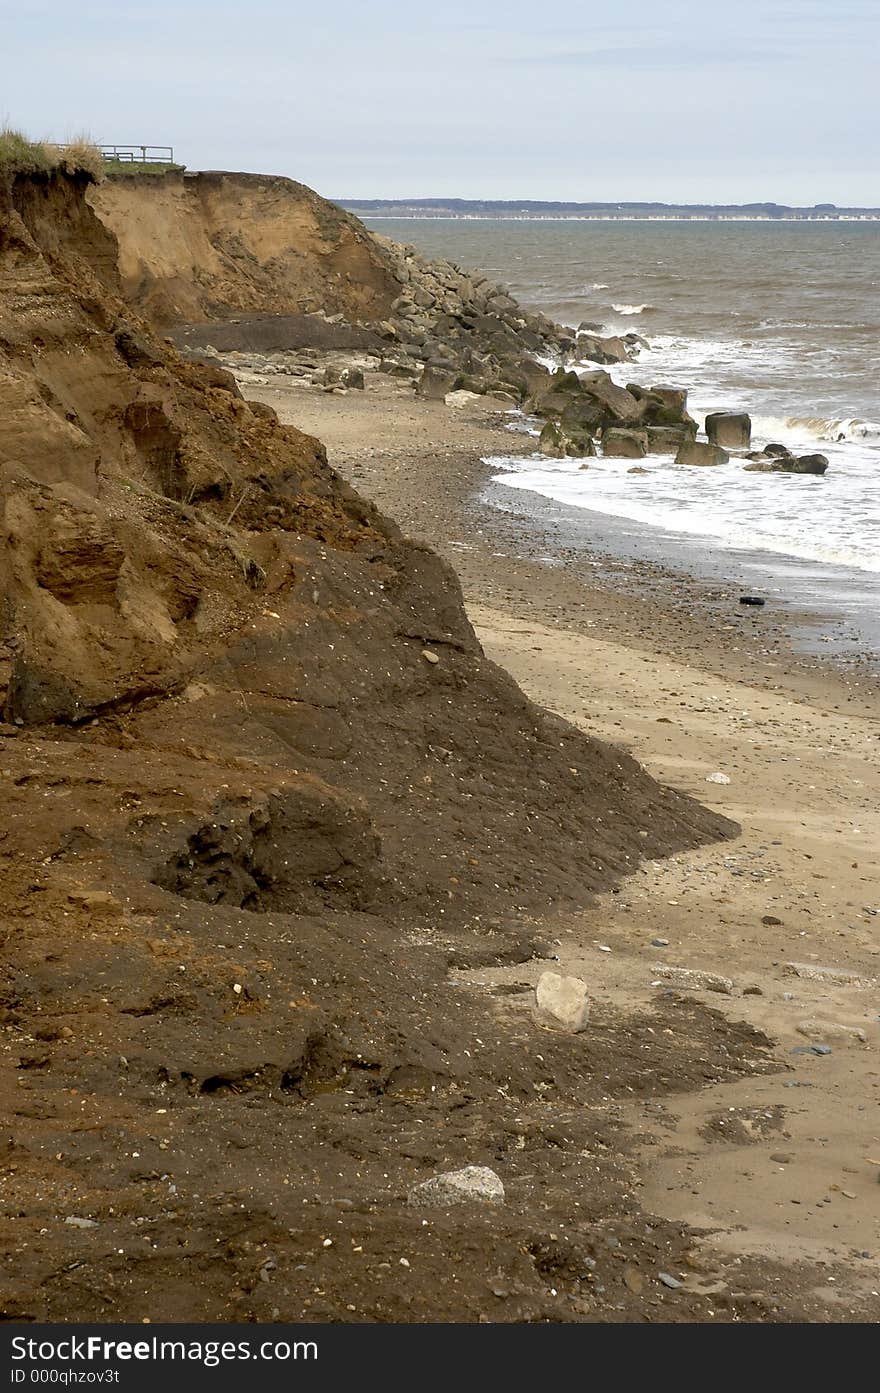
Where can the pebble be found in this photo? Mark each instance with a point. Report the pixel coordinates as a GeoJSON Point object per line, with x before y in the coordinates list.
{"type": "Point", "coordinates": [659, 942]}
{"type": "Point", "coordinates": [77, 1223]}
{"type": "Point", "coordinates": [430, 657]}
{"type": "Point", "coordinates": [718, 778]}
{"type": "Point", "coordinates": [672, 1282]}
{"type": "Point", "coordinates": [472, 1183]}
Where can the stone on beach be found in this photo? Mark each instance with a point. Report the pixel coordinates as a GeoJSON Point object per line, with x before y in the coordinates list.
{"type": "Point", "coordinates": [667, 440]}
{"type": "Point", "coordinates": [788, 464]}
{"type": "Point", "coordinates": [557, 441]}
{"type": "Point", "coordinates": [831, 1030]}
{"type": "Point", "coordinates": [837, 976]}
{"type": "Point", "coordinates": [468, 1185]}
{"type": "Point", "coordinates": [732, 430]}
{"type": "Point", "coordinates": [698, 452]}
{"type": "Point", "coordinates": [562, 1002]}
{"type": "Point", "coordinates": [624, 444]}
{"type": "Point", "coordinates": [695, 979]}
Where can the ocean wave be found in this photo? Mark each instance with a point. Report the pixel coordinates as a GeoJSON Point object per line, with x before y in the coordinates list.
{"type": "Point", "coordinates": [600, 285]}
{"type": "Point", "coordinates": [631, 309]}
{"type": "Point", "coordinates": [824, 428]}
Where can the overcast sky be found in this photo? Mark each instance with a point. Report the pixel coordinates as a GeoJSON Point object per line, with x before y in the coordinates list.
{"type": "Point", "coordinates": [679, 100]}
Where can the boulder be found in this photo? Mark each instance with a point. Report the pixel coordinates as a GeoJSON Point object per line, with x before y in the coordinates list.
{"type": "Point", "coordinates": [600, 350]}
{"type": "Point", "coordinates": [619, 405]}
{"type": "Point", "coordinates": [667, 440]}
{"type": "Point", "coordinates": [471, 1184]}
{"type": "Point", "coordinates": [557, 441]}
{"type": "Point", "coordinates": [695, 452]}
{"type": "Point", "coordinates": [808, 464]}
{"type": "Point", "coordinates": [624, 444]}
{"type": "Point", "coordinates": [805, 464]}
{"type": "Point", "coordinates": [352, 377]}
{"type": "Point", "coordinates": [433, 384]}
{"type": "Point", "coordinates": [732, 430]}
{"type": "Point", "coordinates": [776, 451]}
{"type": "Point", "coordinates": [562, 1002]}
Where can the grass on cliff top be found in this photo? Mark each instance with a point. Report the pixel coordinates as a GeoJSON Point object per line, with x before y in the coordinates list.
{"type": "Point", "coordinates": [124, 169]}
{"type": "Point", "coordinates": [18, 155]}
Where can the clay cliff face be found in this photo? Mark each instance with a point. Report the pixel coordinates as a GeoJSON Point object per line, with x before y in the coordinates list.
{"type": "Point", "coordinates": [197, 247]}
{"type": "Point", "coordinates": [247, 823]}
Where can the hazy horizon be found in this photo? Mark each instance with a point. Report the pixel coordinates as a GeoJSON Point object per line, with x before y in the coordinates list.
{"type": "Point", "coordinates": [770, 100]}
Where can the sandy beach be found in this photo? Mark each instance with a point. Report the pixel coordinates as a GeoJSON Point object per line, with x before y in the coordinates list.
{"type": "Point", "coordinates": [783, 1165]}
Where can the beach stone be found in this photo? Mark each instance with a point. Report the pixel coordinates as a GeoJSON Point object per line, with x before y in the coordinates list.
{"type": "Point", "coordinates": [434, 385]}
{"type": "Point", "coordinates": [730, 429]}
{"type": "Point", "coordinates": [468, 1185]}
{"type": "Point", "coordinates": [831, 1030]}
{"type": "Point", "coordinates": [696, 452]}
{"type": "Point", "coordinates": [354, 378]}
{"type": "Point", "coordinates": [775, 450]}
{"type": "Point", "coordinates": [805, 464]}
{"type": "Point", "coordinates": [461, 397]}
{"type": "Point", "coordinates": [637, 469]}
{"type": "Point", "coordinates": [557, 441]}
{"type": "Point", "coordinates": [838, 976]}
{"type": "Point", "coordinates": [718, 778]}
{"type": "Point", "coordinates": [695, 979]}
{"type": "Point", "coordinates": [562, 1001]}
{"type": "Point", "coordinates": [667, 440]}
{"type": "Point", "coordinates": [809, 464]}
{"type": "Point", "coordinates": [601, 350]}
{"type": "Point", "coordinates": [624, 444]}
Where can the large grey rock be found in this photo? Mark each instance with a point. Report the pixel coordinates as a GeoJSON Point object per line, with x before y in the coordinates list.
{"type": "Point", "coordinates": [555, 440]}
{"type": "Point", "coordinates": [805, 464]}
{"type": "Point", "coordinates": [624, 444]}
{"type": "Point", "coordinates": [601, 350]}
{"type": "Point", "coordinates": [695, 452]}
{"type": "Point", "coordinates": [472, 1184]}
{"type": "Point", "coordinates": [434, 384]}
{"type": "Point", "coordinates": [562, 1002]}
{"type": "Point", "coordinates": [667, 440]}
{"type": "Point", "coordinates": [732, 430]}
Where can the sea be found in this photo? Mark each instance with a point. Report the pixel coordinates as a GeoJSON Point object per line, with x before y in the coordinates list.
{"type": "Point", "coordinates": [779, 319]}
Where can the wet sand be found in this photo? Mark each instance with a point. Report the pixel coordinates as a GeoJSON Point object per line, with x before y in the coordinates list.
{"type": "Point", "coordinates": [783, 1166]}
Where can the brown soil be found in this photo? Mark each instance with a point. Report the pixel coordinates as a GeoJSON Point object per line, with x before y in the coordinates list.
{"type": "Point", "coordinates": [195, 247]}
{"type": "Point", "coordinates": [248, 828]}
{"type": "Point", "coordinates": [258, 854]}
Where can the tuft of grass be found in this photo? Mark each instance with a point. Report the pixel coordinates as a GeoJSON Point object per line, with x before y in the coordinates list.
{"type": "Point", "coordinates": [19, 155]}
{"type": "Point", "coordinates": [79, 156]}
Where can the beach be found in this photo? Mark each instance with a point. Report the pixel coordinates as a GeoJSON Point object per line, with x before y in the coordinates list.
{"type": "Point", "coordinates": [781, 1166]}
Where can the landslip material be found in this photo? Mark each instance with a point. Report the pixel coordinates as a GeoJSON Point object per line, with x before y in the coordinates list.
{"type": "Point", "coordinates": [261, 789]}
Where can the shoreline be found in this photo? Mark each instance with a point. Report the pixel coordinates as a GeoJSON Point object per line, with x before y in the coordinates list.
{"type": "Point", "coordinates": [778, 1168]}
{"type": "Point", "coordinates": [548, 558]}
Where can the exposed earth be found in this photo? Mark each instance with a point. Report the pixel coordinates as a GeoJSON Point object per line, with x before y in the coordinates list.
{"type": "Point", "coordinates": [284, 850]}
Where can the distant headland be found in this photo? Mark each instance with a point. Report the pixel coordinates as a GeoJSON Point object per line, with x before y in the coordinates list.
{"type": "Point", "coordinates": [529, 209]}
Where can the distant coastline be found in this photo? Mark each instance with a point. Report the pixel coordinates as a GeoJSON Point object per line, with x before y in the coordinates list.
{"type": "Point", "coordinates": [531, 210]}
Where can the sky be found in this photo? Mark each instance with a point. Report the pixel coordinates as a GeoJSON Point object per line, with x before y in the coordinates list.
{"type": "Point", "coordinates": [671, 100]}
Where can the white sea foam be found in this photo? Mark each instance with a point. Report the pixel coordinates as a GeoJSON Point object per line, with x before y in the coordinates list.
{"type": "Point", "coordinates": [629, 309]}
{"type": "Point", "coordinates": [725, 506]}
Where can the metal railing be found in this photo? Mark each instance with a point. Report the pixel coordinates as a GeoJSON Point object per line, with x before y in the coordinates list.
{"type": "Point", "coordinates": [138, 154]}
